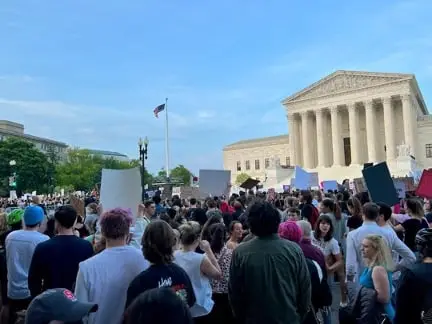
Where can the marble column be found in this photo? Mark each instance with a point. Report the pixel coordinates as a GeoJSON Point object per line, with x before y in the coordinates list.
{"type": "Point", "coordinates": [320, 137]}
{"type": "Point", "coordinates": [409, 125]}
{"type": "Point", "coordinates": [371, 131]}
{"type": "Point", "coordinates": [307, 148]}
{"type": "Point", "coordinates": [354, 131]}
{"type": "Point", "coordinates": [293, 139]}
{"type": "Point", "coordinates": [389, 129]}
{"type": "Point", "coordinates": [336, 137]}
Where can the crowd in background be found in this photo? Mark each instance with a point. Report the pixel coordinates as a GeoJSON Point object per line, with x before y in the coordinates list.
{"type": "Point", "coordinates": [250, 258]}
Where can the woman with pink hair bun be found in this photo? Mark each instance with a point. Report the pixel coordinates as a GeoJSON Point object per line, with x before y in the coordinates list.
{"type": "Point", "coordinates": [290, 231]}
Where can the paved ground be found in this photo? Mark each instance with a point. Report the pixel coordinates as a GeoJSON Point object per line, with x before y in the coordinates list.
{"type": "Point", "coordinates": [336, 301]}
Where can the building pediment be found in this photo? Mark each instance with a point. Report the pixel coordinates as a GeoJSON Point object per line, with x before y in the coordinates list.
{"type": "Point", "coordinates": [343, 81]}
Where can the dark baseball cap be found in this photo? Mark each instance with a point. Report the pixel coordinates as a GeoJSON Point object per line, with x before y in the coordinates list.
{"type": "Point", "coordinates": [57, 305]}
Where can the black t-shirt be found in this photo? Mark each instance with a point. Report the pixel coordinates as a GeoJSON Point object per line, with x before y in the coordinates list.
{"type": "Point", "coordinates": [55, 263]}
{"type": "Point", "coordinates": [162, 275]}
{"type": "Point", "coordinates": [354, 222]}
{"type": "Point", "coordinates": [412, 226]}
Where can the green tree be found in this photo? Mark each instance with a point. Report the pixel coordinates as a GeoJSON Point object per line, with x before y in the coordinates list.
{"type": "Point", "coordinates": [31, 166]}
{"type": "Point", "coordinates": [83, 171]}
{"type": "Point", "coordinates": [181, 173]}
{"type": "Point", "coordinates": [241, 177]}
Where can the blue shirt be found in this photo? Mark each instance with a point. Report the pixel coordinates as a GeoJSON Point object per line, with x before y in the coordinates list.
{"type": "Point", "coordinates": [354, 259]}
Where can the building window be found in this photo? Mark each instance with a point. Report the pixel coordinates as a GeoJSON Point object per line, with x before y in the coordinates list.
{"type": "Point", "coordinates": [429, 150]}
{"type": "Point", "coordinates": [238, 166]}
{"type": "Point", "coordinates": [267, 163]}
{"type": "Point", "coordinates": [247, 165]}
{"type": "Point", "coordinates": [257, 164]}
{"type": "Point", "coordinates": [287, 161]}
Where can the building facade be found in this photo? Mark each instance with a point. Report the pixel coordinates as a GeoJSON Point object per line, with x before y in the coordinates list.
{"type": "Point", "coordinates": [45, 145]}
{"type": "Point", "coordinates": [110, 155]}
{"type": "Point", "coordinates": [256, 157]}
{"type": "Point", "coordinates": [350, 118]}
{"type": "Point", "coordinates": [11, 129]}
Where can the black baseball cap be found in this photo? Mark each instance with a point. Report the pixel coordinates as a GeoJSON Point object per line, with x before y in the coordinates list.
{"type": "Point", "coordinates": [57, 305]}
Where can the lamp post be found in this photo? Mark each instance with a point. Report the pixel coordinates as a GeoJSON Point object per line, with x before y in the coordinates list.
{"type": "Point", "coordinates": [12, 179]}
{"type": "Point", "coordinates": [142, 145]}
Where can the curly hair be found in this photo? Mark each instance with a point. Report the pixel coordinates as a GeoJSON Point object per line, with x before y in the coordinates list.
{"type": "Point", "coordinates": [115, 223]}
{"type": "Point", "coordinates": [263, 219]}
{"type": "Point", "coordinates": [158, 242]}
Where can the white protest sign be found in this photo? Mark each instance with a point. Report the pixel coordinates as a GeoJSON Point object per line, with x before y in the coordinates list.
{"type": "Point", "coordinates": [121, 188]}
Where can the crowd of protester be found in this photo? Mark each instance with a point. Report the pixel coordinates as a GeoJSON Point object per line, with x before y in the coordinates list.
{"type": "Point", "coordinates": [299, 258]}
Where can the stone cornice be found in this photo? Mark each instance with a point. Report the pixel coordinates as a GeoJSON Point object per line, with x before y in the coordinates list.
{"type": "Point", "coordinates": [347, 91]}
{"type": "Point", "coordinates": [267, 141]}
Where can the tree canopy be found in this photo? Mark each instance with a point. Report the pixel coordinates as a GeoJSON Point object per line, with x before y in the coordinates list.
{"type": "Point", "coordinates": [241, 177]}
{"type": "Point", "coordinates": [46, 173]}
{"type": "Point", "coordinates": [31, 165]}
{"type": "Point", "coordinates": [83, 170]}
{"type": "Point", "coordinates": [181, 173]}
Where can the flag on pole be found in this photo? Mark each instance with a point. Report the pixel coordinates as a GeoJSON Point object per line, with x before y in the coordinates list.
{"type": "Point", "coordinates": [158, 109]}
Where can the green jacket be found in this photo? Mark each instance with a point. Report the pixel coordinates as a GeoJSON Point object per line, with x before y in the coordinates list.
{"type": "Point", "coordinates": [269, 282]}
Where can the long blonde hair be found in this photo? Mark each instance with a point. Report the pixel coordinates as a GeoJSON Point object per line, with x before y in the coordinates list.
{"type": "Point", "coordinates": [383, 255]}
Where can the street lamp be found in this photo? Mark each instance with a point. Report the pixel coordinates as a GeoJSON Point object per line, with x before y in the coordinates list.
{"type": "Point", "coordinates": [142, 145]}
{"type": "Point", "coordinates": [12, 179]}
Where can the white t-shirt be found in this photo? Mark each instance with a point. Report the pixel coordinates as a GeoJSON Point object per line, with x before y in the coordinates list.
{"type": "Point", "coordinates": [20, 246]}
{"type": "Point", "coordinates": [104, 280]}
{"type": "Point", "coordinates": [328, 247]}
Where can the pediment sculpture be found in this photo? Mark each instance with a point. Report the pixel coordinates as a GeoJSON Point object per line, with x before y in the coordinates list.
{"type": "Point", "coordinates": [403, 150]}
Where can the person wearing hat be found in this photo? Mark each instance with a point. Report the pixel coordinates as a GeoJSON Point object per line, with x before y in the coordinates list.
{"type": "Point", "coordinates": [14, 223]}
{"type": "Point", "coordinates": [57, 306]}
{"type": "Point", "coordinates": [20, 246]}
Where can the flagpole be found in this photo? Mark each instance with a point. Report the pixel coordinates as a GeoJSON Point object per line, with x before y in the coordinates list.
{"type": "Point", "coordinates": [166, 140]}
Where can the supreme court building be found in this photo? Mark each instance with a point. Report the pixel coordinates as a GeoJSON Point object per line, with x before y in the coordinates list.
{"type": "Point", "coordinates": [341, 122]}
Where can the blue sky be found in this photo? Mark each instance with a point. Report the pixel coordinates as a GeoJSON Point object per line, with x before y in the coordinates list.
{"type": "Point", "coordinates": [90, 72]}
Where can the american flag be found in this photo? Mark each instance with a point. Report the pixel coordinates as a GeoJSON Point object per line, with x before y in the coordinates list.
{"type": "Point", "coordinates": [158, 109]}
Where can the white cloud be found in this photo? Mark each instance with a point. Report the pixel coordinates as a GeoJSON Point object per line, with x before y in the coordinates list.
{"type": "Point", "coordinates": [206, 114]}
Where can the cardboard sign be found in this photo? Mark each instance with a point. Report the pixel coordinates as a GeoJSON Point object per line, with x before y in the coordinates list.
{"type": "Point", "coordinates": [121, 188]}
{"type": "Point", "coordinates": [330, 185]}
{"type": "Point", "coordinates": [359, 185]}
{"type": "Point", "coordinates": [380, 184]}
{"type": "Point", "coordinates": [78, 204]}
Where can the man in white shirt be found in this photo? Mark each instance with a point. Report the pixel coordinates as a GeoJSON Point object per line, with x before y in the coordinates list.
{"type": "Point", "coordinates": [20, 246]}
{"type": "Point", "coordinates": [104, 278]}
{"type": "Point", "coordinates": [354, 260]}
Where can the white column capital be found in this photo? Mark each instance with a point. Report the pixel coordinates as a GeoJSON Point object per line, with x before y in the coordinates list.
{"type": "Point", "coordinates": [319, 112]}
{"type": "Point", "coordinates": [351, 106]}
{"type": "Point", "coordinates": [304, 113]}
{"type": "Point", "coordinates": [386, 100]}
{"type": "Point", "coordinates": [406, 97]}
{"type": "Point", "coordinates": [369, 104]}
{"type": "Point", "coordinates": [334, 109]}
